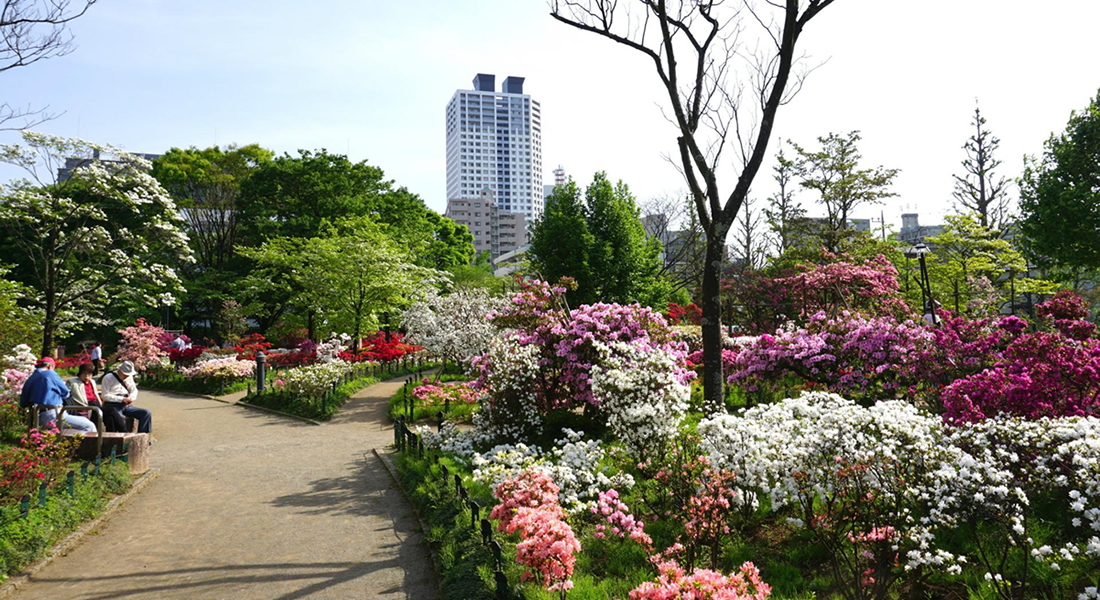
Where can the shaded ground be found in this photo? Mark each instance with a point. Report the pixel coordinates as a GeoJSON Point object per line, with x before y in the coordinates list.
{"type": "Point", "coordinates": [251, 505]}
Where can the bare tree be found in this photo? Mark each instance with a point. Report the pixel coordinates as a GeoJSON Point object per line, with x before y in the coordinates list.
{"type": "Point", "coordinates": [30, 31]}
{"type": "Point", "coordinates": [786, 217]}
{"type": "Point", "coordinates": [672, 220]}
{"type": "Point", "coordinates": [722, 93]}
{"type": "Point", "coordinates": [978, 190]}
{"type": "Point", "coordinates": [750, 240]}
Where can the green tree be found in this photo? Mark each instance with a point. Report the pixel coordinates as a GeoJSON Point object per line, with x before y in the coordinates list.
{"type": "Point", "coordinates": [107, 234]}
{"type": "Point", "coordinates": [833, 172]}
{"type": "Point", "coordinates": [971, 264]}
{"type": "Point", "coordinates": [979, 190]}
{"type": "Point", "coordinates": [361, 269]}
{"type": "Point", "coordinates": [560, 241]}
{"type": "Point", "coordinates": [785, 215]}
{"type": "Point", "coordinates": [599, 242]}
{"type": "Point", "coordinates": [206, 185]}
{"type": "Point", "coordinates": [623, 262]}
{"type": "Point", "coordinates": [1059, 196]}
{"type": "Point", "coordinates": [294, 196]}
{"type": "Point", "coordinates": [18, 324]}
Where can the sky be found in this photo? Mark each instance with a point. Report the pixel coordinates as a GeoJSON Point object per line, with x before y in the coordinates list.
{"type": "Point", "coordinates": [371, 79]}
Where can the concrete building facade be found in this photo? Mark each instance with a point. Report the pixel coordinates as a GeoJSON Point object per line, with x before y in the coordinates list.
{"type": "Point", "coordinates": [912, 232]}
{"type": "Point", "coordinates": [495, 230]}
{"type": "Point", "coordinates": [494, 142]}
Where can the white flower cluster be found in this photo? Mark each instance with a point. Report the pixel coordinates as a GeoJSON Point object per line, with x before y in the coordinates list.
{"type": "Point", "coordinates": [637, 387]}
{"type": "Point", "coordinates": [510, 414]}
{"type": "Point", "coordinates": [933, 477]}
{"type": "Point", "coordinates": [573, 463]}
{"type": "Point", "coordinates": [313, 381]}
{"type": "Point", "coordinates": [503, 462]}
{"type": "Point", "coordinates": [454, 326]}
{"type": "Point", "coordinates": [22, 358]}
{"type": "Point", "coordinates": [449, 440]}
{"type": "Point", "coordinates": [575, 466]}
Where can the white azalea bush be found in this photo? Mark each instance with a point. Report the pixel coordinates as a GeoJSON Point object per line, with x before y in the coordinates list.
{"type": "Point", "coordinates": [227, 368]}
{"type": "Point", "coordinates": [576, 466]}
{"type": "Point", "coordinates": [511, 371]}
{"type": "Point", "coordinates": [313, 381]}
{"type": "Point", "coordinates": [638, 388]}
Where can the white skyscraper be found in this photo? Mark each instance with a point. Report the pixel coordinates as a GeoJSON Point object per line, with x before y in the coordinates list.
{"type": "Point", "coordinates": [494, 142]}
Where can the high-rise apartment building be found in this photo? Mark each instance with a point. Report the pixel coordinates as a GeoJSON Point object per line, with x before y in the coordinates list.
{"type": "Point", "coordinates": [494, 142]}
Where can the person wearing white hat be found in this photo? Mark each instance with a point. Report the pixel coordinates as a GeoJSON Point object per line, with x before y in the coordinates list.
{"type": "Point", "coordinates": [119, 393]}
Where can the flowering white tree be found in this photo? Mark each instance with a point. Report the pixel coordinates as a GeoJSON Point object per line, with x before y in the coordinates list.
{"type": "Point", "coordinates": [454, 326]}
{"type": "Point", "coordinates": [106, 231]}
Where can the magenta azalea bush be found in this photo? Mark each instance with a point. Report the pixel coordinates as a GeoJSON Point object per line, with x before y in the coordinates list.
{"type": "Point", "coordinates": [1040, 375]}
{"type": "Point", "coordinates": [566, 340]}
{"type": "Point", "coordinates": [438, 394]}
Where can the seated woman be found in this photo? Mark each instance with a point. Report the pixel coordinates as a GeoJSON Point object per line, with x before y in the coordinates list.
{"type": "Point", "coordinates": [82, 389]}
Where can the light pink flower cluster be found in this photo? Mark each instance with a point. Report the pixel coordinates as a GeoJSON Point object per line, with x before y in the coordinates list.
{"type": "Point", "coordinates": [140, 344]}
{"type": "Point", "coordinates": [430, 394]}
{"type": "Point", "coordinates": [674, 583]}
{"type": "Point", "coordinates": [619, 521]}
{"type": "Point", "coordinates": [548, 548]}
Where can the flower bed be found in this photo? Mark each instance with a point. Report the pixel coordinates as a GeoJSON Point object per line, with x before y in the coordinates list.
{"type": "Point", "coordinates": [813, 494]}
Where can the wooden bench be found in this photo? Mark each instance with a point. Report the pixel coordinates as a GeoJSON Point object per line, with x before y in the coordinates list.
{"type": "Point", "coordinates": [134, 446]}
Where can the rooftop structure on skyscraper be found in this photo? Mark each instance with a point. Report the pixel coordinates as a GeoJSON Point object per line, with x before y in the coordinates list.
{"type": "Point", "coordinates": [494, 142]}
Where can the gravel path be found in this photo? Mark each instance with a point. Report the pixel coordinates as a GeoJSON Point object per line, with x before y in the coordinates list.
{"type": "Point", "coordinates": [252, 505]}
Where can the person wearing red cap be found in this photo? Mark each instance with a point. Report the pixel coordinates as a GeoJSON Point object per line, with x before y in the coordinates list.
{"type": "Point", "coordinates": [45, 388]}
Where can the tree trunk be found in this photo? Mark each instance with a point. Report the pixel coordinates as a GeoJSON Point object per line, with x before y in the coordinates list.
{"type": "Point", "coordinates": [713, 382]}
{"type": "Point", "coordinates": [311, 332]}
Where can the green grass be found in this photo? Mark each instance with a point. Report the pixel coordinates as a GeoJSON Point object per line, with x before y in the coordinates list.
{"type": "Point", "coordinates": [25, 540]}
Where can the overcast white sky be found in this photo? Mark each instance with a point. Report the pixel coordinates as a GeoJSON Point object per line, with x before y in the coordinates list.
{"type": "Point", "coordinates": [372, 79]}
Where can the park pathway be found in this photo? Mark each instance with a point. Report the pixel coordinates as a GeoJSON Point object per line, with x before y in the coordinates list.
{"type": "Point", "coordinates": [250, 505]}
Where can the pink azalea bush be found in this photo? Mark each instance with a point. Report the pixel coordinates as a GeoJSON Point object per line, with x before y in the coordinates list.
{"type": "Point", "coordinates": [140, 344]}
{"type": "Point", "coordinates": [674, 583]}
{"type": "Point", "coordinates": [767, 300]}
{"type": "Point", "coordinates": [617, 520]}
{"type": "Point", "coordinates": [1066, 313]}
{"type": "Point", "coordinates": [432, 394]}
{"type": "Point", "coordinates": [566, 340]}
{"type": "Point", "coordinates": [548, 548]}
{"type": "Point", "coordinates": [848, 354]}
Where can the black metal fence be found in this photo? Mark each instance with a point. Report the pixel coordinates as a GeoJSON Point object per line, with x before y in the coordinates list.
{"type": "Point", "coordinates": [412, 444]}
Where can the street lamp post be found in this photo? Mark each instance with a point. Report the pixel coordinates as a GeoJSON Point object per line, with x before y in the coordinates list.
{"type": "Point", "coordinates": [928, 304]}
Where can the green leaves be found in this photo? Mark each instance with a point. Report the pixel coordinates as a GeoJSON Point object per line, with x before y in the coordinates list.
{"type": "Point", "coordinates": [600, 242]}
{"type": "Point", "coordinates": [1060, 195]}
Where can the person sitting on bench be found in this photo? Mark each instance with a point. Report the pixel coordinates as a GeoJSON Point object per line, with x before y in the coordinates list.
{"type": "Point", "coordinates": [119, 393]}
{"type": "Point", "coordinates": [45, 388]}
{"type": "Point", "coordinates": [82, 388]}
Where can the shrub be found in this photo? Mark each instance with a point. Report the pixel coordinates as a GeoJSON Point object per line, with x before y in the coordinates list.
{"type": "Point", "coordinates": [140, 344]}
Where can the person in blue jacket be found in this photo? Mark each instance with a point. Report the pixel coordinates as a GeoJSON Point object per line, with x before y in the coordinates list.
{"type": "Point", "coordinates": [45, 388]}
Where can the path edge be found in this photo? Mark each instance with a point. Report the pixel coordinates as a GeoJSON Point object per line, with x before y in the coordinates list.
{"type": "Point", "coordinates": [437, 565]}
{"type": "Point", "coordinates": [70, 541]}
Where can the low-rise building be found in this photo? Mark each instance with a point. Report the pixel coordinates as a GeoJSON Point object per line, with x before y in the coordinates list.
{"type": "Point", "coordinates": [495, 231]}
